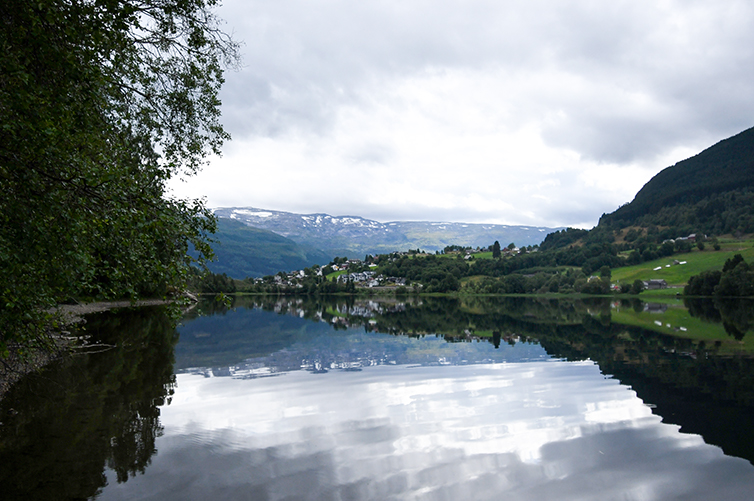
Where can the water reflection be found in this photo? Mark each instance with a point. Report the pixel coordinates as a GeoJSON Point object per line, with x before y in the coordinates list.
{"type": "Point", "coordinates": [536, 431]}
{"type": "Point", "coordinates": [264, 344]}
{"type": "Point", "coordinates": [736, 315]}
{"type": "Point", "coordinates": [686, 366]}
{"type": "Point", "coordinates": [62, 426]}
{"type": "Point", "coordinates": [478, 398]}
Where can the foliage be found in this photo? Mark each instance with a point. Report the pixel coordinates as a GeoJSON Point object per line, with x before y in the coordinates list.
{"type": "Point", "coordinates": [496, 249]}
{"type": "Point", "coordinates": [715, 214]}
{"type": "Point", "coordinates": [703, 284]}
{"type": "Point", "coordinates": [441, 274]}
{"type": "Point", "coordinates": [211, 283]}
{"type": "Point", "coordinates": [596, 286]}
{"type": "Point", "coordinates": [735, 280]}
{"type": "Point", "coordinates": [455, 248]}
{"type": "Point", "coordinates": [562, 238]}
{"type": "Point", "coordinates": [101, 103]}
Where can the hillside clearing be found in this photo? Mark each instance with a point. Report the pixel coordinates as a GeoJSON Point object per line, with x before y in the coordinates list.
{"type": "Point", "coordinates": [695, 262]}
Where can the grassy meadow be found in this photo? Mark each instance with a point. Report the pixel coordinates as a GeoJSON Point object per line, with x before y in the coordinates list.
{"type": "Point", "coordinates": [696, 262]}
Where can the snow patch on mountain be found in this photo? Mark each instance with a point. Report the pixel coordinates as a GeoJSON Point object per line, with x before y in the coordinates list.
{"type": "Point", "coordinates": [246, 212]}
{"type": "Point", "coordinates": [356, 235]}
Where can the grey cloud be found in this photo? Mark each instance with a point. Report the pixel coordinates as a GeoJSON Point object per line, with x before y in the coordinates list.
{"type": "Point", "coordinates": [698, 79]}
{"type": "Point", "coordinates": [372, 153]}
{"type": "Point", "coordinates": [306, 59]}
{"type": "Point", "coordinates": [303, 59]}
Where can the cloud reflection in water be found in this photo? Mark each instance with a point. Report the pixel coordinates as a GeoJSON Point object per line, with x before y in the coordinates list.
{"type": "Point", "coordinates": [534, 431]}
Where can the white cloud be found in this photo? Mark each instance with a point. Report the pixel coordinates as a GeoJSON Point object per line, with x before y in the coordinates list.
{"type": "Point", "coordinates": [530, 112]}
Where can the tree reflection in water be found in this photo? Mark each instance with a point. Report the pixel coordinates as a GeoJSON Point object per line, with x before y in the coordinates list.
{"type": "Point", "coordinates": [736, 315]}
{"type": "Point", "coordinates": [62, 426]}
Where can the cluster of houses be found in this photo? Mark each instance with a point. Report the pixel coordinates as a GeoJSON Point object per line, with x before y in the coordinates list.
{"type": "Point", "coordinates": [363, 278]}
{"type": "Point", "coordinates": [368, 279]}
{"type": "Point", "coordinates": [691, 238]}
{"type": "Point", "coordinates": [290, 279]}
{"type": "Point", "coordinates": [347, 264]}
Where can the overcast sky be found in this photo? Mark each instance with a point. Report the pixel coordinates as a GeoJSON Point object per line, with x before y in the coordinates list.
{"type": "Point", "coordinates": [527, 112]}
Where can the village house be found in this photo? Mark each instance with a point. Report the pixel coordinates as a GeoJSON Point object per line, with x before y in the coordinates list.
{"type": "Point", "coordinates": [655, 283]}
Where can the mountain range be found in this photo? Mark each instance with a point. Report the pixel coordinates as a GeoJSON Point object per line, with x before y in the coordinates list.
{"type": "Point", "coordinates": [255, 242]}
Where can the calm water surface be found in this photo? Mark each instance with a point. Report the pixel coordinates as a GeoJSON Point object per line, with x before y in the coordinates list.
{"type": "Point", "coordinates": [436, 399]}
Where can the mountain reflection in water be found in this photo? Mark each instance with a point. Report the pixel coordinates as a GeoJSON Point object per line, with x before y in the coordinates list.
{"type": "Point", "coordinates": [481, 398]}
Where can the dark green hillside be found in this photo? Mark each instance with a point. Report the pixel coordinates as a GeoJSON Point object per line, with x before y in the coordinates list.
{"type": "Point", "coordinates": [711, 194]}
{"type": "Point", "coordinates": [724, 167]}
{"type": "Point", "coordinates": [243, 251]}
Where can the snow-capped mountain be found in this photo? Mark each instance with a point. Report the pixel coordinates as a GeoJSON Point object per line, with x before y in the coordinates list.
{"type": "Point", "coordinates": [356, 236]}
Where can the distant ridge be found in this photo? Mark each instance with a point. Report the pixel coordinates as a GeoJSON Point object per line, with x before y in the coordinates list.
{"type": "Point", "coordinates": [242, 251]}
{"type": "Point", "coordinates": [256, 242]}
{"type": "Point", "coordinates": [358, 236]}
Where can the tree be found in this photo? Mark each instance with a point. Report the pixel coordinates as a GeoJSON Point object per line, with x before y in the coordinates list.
{"type": "Point", "coordinates": [666, 249]}
{"type": "Point", "coordinates": [605, 273]}
{"type": "Point", "coordinates": [496, 249]}
{"type": "Point", "coordinates": [703, 284]}
{"type": "Point", "coordinates": [732, 263]}
{"type": "Point", "coordinates": [596, 286]}
{"type": "Point", "coordinates": [736, 282]}
{"type": "Point", "coordinates": [101, 103]}
{"type": "Point", "coordinates": [637, 287]}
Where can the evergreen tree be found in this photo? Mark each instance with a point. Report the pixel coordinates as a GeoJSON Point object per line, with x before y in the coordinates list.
{"type": "Point", "coordinates": [496, 249]}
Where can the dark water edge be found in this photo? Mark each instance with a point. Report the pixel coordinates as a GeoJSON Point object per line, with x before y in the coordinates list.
{"type": "Point", "coordinates": [64, 428]}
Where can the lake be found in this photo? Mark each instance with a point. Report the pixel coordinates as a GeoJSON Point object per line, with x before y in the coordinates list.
{"type": "Point", "coordinates": [412, 398]}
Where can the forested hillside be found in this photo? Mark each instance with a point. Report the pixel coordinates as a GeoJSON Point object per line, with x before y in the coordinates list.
{"type": "Point", "coordinates": [242, 251]}
{"type": "Point", "coordinates": [709, 194]}
{"type": "Point", "coordinates": [717, 181]}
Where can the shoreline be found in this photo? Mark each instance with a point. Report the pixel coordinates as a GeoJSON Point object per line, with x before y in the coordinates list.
{"type": "Point", "coordinates": [14, 367]}
{"type": "Point", "coordinates": [74, 313]}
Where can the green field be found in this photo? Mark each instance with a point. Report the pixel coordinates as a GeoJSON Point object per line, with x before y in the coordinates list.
{"type": "Point", "coordinates": [482, 255]}
{"type": "Point", "coordinates": [329, 277]}
{"type": "Point", "coordinates": [678, 274]}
